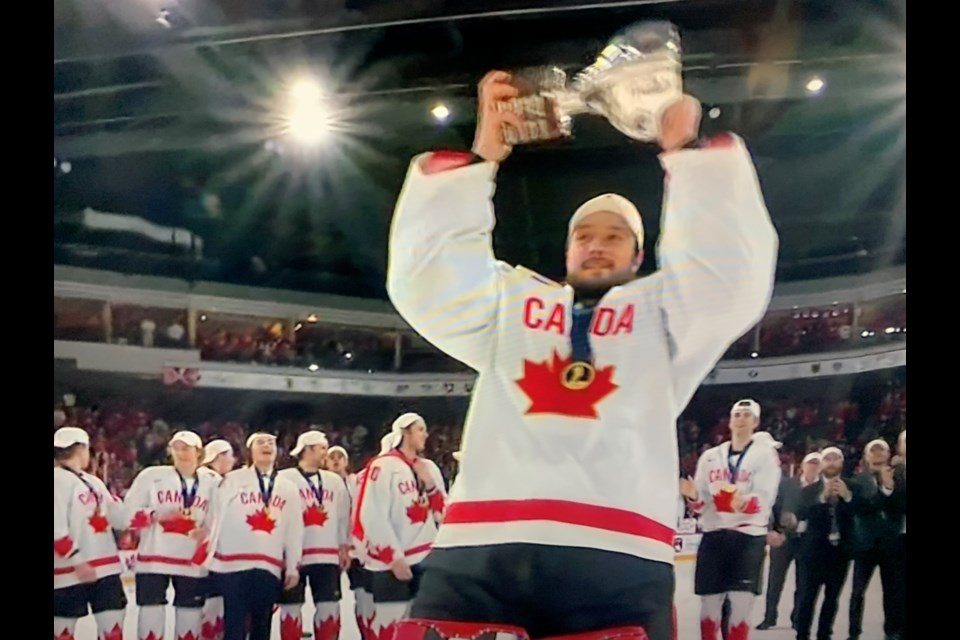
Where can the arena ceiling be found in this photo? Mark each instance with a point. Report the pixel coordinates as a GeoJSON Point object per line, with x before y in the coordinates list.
{"type": "Point", "coordinates": [160, 102]}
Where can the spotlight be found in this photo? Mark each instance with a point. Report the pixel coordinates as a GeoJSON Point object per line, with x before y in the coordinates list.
{"type": "Point", "coordinates": [440, 112]}
{"type": "Point", "coordinates": [815, 85]}
{"type": "Point", "coordinates": [313, 368]}
{"type": "Point", "coordinates": [66, 167]}
{"type": "Point", "coordinates": [305, 91]}
{"type": "Point", "coordinates": [714, 113]}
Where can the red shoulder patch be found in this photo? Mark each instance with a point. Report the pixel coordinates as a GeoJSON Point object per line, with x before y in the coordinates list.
{"type": "Point", "coordinates": [440, 161]}
{"type": "Point", "coordinates": [719, 141]}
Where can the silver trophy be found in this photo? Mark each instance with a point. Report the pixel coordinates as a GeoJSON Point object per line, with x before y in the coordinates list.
{"type": "Point", "coordinates": [633, 80]}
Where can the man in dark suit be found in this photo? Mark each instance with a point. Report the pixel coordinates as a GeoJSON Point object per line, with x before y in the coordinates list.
{"type": "Point", "coordinates": [784, 525]}
{"type": "Point", "coordinates": [826, 536]}
{"type": "Point", "coordinates": [876, 534]}
{"type": "Point", "coordinates": [893, 486]}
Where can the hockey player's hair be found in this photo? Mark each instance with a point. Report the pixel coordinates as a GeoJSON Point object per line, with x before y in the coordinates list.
{"type": "Point", "coordinates": [65, 453]}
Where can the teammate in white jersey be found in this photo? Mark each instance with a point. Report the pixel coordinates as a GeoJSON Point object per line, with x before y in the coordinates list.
{"type": "Point", "coordinates": [257, 541]}
{"type": "Point", "coordinates": [338, 461]}
{"type": "Point", "coordinates": [218, 461]}
{"type": "Point", "coordinates": [86, 562]}
{"type": "Point", "coordinates": [326, 530]}
{"type": "Point", "coordinates": [399, 508]}
{"type": "Point", "coordinates": [734, 489]}
{"type": "Point", "coordinates": [564, 518]}
{"type": "Point", "coordinates": [169, 506]}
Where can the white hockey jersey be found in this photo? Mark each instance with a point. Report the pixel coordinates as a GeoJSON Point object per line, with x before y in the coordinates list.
{"type": "Point", "coordinates": [395, 518]}
{"type": "Point", "coordinates": [85, 514]}
{"type": "Point", "coordinates": [166, 547]}
{"type": "Point", "coordinates": [247, 534]}
{"type": "Point", "coordinates": [757, 481]}
{"type": "Point", "coordinates": [326, 524]}
{"type": "Point", "coordinates": [597, 466]}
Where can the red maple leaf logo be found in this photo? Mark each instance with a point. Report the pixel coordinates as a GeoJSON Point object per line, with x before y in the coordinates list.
{"type": "Point", "coordinates": [141, 520]}
{"type": "Point", "coordinates": [315, 516]}
{"type": "Point", "coordinates": [543, 385]}
{"type": "Point", "coordinates": [328, 629]}
{"type": "Point", "coordinates": [383, 554]}
{"type": "Point", "coordinates": [723, 502]}
{"type": "Point", "coordinates": [417, 512]}
{"type": "Point", "coordinates": [178, 524]}
{"type": "Point", "coordinates": [190, 635]}
{"type": "Point", "coordinates": [64, 635]}
{"type": "Point", "coordinates": [99, 523]}
{"type": "Point", "coordinates": [290, 627]}
{"type": "Point", "coordinates": [114, 634]}
{"type": "Point", "coordinates": [260, 521]}
{"type": "Point", "coordinates": [212, 630]}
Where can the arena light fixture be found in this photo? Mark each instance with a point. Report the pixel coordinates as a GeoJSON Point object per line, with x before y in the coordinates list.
{"type": "Point", "coordinates": [440, 112]}
{"type": "Point", "coordinates": [313, 368]}
{"type": "Point", "coordinates": [815, 85]}
{"type": "Point", "coordinates": [306, 114]}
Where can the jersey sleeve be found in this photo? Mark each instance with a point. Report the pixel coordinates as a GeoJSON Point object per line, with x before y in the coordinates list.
{"type": "Point", "coordinates": [442, 275]}
{"type": "Point", "coordinates": [376, 496]}
{"type": "Point", "coordinates": [717, 255]}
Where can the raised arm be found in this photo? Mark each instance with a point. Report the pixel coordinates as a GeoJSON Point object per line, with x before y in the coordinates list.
{"type": "Point", "coordinates": [717, 254]}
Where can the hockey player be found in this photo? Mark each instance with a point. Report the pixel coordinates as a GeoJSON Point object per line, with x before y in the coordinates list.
{"type": "Point", "coordinates": [338, 461]}
{"type": "Point", "coordinates": [86, 562]}
{"type": "Point", "coordinates": [257, 541]}
{"type": "Point", "coordinates": [326, 529]}
{"type": "Point", "coordinates": [399, 507]}
{"type": "Point", "coordinates": [169, 506]}
{"type": "Point", "coordinates": [218, 461]}
{"type": "Point", "coordinates": [734, 490]}
{"type": "Point", "coordinates": [580, 384]}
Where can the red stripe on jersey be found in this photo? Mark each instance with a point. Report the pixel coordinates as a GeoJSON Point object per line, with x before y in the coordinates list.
{"type": "Point", "coordinates": [99, 562]}
{"type": "Point", "coordinates": [585, 515]}
{"type": "Point", "coordinates": [248, 557]}
{"type": "Point", "coordinates": [440, 161]}
{"type": "Point", "coordinates": [180, 562]}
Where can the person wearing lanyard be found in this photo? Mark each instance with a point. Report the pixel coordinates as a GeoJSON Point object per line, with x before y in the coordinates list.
{"type": "Point", "coordinates": [399, 508]}
{"type": "Point", "coordinates": [326, 530]}
{"type": "Point", "coordinates": [218, 460]}
{"type": "Point", "coordinates": [734, 489]}
{"type": "Point", "coordinates": [826, 514]}
{"type": "Point", "coordinates": [169, 506]}
{"type": "Point", "coordinates": [257, 540]}
{"type": "Point", "coordinates": [86, 563]}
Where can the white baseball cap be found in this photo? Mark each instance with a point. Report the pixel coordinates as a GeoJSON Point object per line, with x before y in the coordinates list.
{"type": "Point", "coordinates": [614, 203]}
{"type": "Point", "coordinates": [68, 436]}
{"type": "Point", "coordinates": [764, 437]}
{"type": "Point", "coordinates": [215, 448]}
{"type": "Point", "coordinates": [395, 436]}
{"type": "Point", "coordinates": [259, 434]}
{"type": "Point", "coordinates": [877, 442]}
{"type": "Point", "coordinates": [308, 439]}
{"type": "Point", "coordinates": [458, 455]}
{"type": "Point", "coordinates": [188, 438]}
{"type": "Point", "coordinates": [811, 457]}
{"type": "Point", "coordinates": [386, 443]}
{"type": "Point", "coordinates": [831, 451]}
{"type": "Point", "coordinates": [750, 405]}
{"type": "Point", "coordinates": [339, 449]}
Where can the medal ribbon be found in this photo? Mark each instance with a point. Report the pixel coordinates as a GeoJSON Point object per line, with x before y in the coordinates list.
{"type": "Point", "coordinates": [188, 495]}
{"type": "Point", "coordinates": [265, 495]}
{"type": "Point", "coordinates": [735, 469]}
{"type": "Point", "coordinates": [580, 348]}
{"type": "Point", "coordinates": [96, 496]}
{"type": "Point", "coordinates": [317, 490]}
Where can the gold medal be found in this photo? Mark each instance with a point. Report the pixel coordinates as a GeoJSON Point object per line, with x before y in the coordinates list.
{"type": "Point", "coordinates": [578, 375]}
{"type": "Point", "coordinates": [266, 510]}
{"type": "Point", "coordinates": [729, 488]}
{"type": "Point", "coordinates": [187, 513]}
